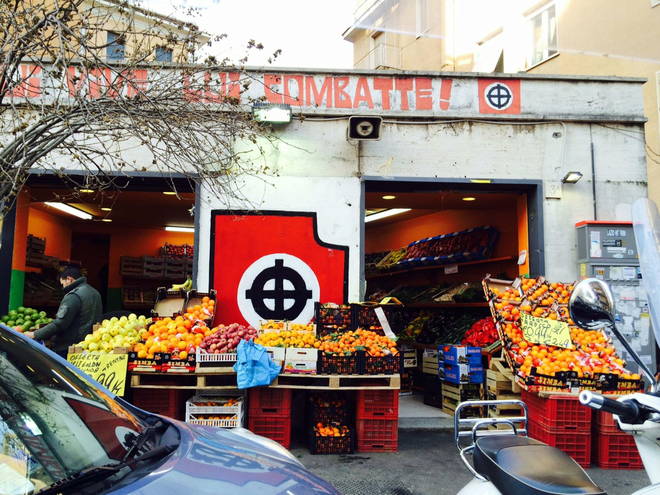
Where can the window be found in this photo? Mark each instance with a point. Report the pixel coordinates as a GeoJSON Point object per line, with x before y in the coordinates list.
{"type": "Point", "coordinates": [116, 46]}
{"type": "Point", "coordinates": [163, 54]}
{"type": "Point", "coordinates": [544, 35]}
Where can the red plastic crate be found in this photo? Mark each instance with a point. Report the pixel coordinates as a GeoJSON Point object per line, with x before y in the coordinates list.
{"type": "Point", "coordinates": [605, 422]}
{"type": "Point", "coordinates": [560, 412]}
{"type": "Point", "coordinates": [166, 402]}
{"type": "Point", "coordinates": [377, 435]}
{"type": "Point", "coordinates": [377, 404]}
{"type": "Point", "coordinates": [575, 444]}
{"type": "Point", "coordinates": [616, 451]}
{"type": "Point", "coordinates": [275, 428]}
{"type": "Point", "coordinates": [267, 401]}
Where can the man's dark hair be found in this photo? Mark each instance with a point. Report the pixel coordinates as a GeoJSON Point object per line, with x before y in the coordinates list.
{"type": "Point", "coordinates": [71, 271]}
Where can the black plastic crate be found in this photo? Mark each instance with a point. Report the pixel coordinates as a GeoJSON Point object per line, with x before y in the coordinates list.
{"type": "Point", "coordinates": [381, 365]}
{"type": "Point", "coordinates": [333, 318]}
{"type": "Point", "coordinates": [320, 445]}
{"type": "Point", "coordinates": [332, 364]}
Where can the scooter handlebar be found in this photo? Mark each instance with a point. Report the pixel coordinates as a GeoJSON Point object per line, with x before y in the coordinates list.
{"type": "Point", "coordinates": [627, 409]}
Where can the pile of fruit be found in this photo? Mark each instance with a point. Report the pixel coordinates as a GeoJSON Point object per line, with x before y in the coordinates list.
{"type": "Point", "coordinates": [25, 319]}
{"type": "Point", "coordinates": [273, 325]}
{"type": "Point", "coordinates": [324, 430]}
{"type": "Point", "coordinates": [592, 351]}
{"type": "Point", "coordinates": [301, 327]}
{"type": "Point", "coordinates": [215, 417]}
{"type": "Point", "coordinates": [287, 338]}
{"type": "Point", "coordinates": [224, 339]}
{"type": "Point", "coordinates": [116, 332]}
{"type": "Point", "coordinates": [201, 312]}
{"type": "Point", "coordinates": [230, 402]}
{"type": "Point", "coordinates": [482, 334]}
{"type": "Point", "coordinates": [358, 340]}
{"type": "Point", "coordinates": [178, 336]}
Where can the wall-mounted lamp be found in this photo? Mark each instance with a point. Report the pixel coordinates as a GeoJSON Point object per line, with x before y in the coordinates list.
{"type": "Point", "coordinates": [274, 113]}
{"type": "Point", "coordinates": [572, 177]}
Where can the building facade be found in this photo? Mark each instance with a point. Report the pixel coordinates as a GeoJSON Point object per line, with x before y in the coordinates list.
{"type": "Point", "coordinates": [595, 37]}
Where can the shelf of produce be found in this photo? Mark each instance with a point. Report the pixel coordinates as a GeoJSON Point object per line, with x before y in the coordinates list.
{"type": "Point", "coordinates": [447, 305]}
{"type": "Point", "coordinates": [374, 276]}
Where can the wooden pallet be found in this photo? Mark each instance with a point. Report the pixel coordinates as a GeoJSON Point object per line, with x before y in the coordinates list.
{"type": "Point", "coordinates": [452, 395]}
{"type": "Point", "coordinates": [184, 381]}
{"type": "Point", "coordinates": [227, 380]}
{"type": "Point", "coordinates": [337, 382]}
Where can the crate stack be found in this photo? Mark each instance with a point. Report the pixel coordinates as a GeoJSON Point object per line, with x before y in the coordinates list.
{"type": "Point", "coordinates": [330, 410]}
{"type": "Point", "coordinates": [166, 402]}
{"type": "Point", "coordinates": [501, 385]}
{"type": "Point", "coordinates": [269, 413]}
{"type": "Point", "coordinates": [215, 410]}
{"type": "Point", "coordinates": [562, 422]}
{"type": "Point", "coordinates": [377, 420]}
{"type": "Point", "coordinates": [462, 374]}
{"type": "Point", "coordinates": [612, 448]}
{"type": "Point", "coordinates": [432, 385]}
{"type": "Point", "coordinates": [36, 250]}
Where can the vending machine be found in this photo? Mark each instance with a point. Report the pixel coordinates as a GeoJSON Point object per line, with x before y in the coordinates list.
{"type": "Point", "coordinates": [607, 250]}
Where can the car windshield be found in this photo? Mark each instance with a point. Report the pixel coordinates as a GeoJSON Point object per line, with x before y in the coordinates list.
{"type": "Point", "coordinates": [53, 421]}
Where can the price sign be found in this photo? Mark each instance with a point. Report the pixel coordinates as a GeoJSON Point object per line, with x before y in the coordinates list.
{"type": "Point", "coordinates": [546, 331]}
{"type": "Point", "coordinates": [107, 369]}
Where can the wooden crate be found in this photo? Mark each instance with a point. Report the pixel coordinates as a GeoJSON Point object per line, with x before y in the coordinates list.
{"type": "Point", "coordinates": [500, 379]}
{"type": "Point", "coordinates": [452, 395]}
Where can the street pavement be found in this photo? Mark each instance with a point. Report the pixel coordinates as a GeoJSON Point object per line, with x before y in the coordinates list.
{"type": "Point", "coordinates": [427, 464]}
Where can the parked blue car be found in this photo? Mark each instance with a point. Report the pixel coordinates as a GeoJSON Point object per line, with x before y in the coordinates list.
{"type": "Point", "coordinates": [62, 432]}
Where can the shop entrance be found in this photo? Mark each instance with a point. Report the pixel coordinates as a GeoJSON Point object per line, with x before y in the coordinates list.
{"type": "Point", "coordinates": [129, 240]}
{"type": "Point", "coordinates": [427, 247]}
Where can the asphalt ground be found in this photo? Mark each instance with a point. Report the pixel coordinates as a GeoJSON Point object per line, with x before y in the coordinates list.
{"type": "Point", "coordinates": [427, 463]}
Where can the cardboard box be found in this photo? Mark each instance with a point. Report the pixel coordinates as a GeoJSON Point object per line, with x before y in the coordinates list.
{"type": "Point", "coordinates": [277, 354]}
{"type": "Point", "coordinates": [458, 354]}
{"type": "Point", "coordinates": [461, 373]}
{"type": "Point", "coordinates": [300, 366]}
{"type": "Point", "coordinates": [301, 354]}
{"type": "Point", "coordinates": [169, 303]}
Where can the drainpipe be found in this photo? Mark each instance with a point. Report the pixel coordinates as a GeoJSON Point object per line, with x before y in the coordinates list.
{"type": "Point", "coordinates": [593, 173]}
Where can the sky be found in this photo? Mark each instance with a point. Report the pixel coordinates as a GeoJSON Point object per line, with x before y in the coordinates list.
{"type": "Point", "coordinates": [307, 31]}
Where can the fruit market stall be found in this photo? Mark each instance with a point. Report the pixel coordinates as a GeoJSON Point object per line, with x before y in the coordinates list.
{"type": "Point", "coordinates": [338, 387]}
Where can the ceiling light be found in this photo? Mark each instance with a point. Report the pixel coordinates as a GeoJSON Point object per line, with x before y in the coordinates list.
{"type": "Point", "coordinates": [469, 198]}
{"type": "Point", "coordinates": [271, 112]}
{"type": "Point", "coordinates": [385, 214]}
{"type": "Point", "coordinates": [86, 190]}
{"type": "Point", "coordinates": [171, 228]}
{"type": "Point", "coordinates": [105, 208]}
{"type": "Point", "coordinates": [169, 193]}
{"type": "Point", "coordinates": [70, 210]}
{"type": "Point", "coordinates": [572, 177]}
{"type": "Point", "coordinates": [389, 196]}
{"type": "Point", "coordinates": [481, 181]}
{"type": "Point", "coordinates": [106, 219]}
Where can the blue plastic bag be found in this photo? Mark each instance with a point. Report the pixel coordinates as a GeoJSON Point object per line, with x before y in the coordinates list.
{"type": "Point", "coordinates": [254, 367]}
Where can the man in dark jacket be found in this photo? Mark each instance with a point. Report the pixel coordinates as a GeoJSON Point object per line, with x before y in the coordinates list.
{"type": "Point", "coordinates": [79, 310]}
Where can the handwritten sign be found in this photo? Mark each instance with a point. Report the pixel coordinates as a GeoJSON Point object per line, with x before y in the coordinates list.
{"type": "Point", "coordinates": [546, 331]}
{"type": "Point", "coordinates": [387, 330]}
{"type": "Point", "coordinates": [107, 369]}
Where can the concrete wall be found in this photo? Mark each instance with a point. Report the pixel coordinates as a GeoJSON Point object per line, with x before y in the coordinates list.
{"type": "Point", "coordinates": [318, 171]}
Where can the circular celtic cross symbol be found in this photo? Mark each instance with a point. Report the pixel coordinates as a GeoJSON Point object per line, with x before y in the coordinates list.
{"type": "Point", "coordinates": [278, 287]}
{"type": "Point", "coordinates": [498, 96]}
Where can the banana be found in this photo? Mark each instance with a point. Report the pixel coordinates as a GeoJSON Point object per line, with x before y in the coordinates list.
{"type": "Point", "coordinates": [186, 286]}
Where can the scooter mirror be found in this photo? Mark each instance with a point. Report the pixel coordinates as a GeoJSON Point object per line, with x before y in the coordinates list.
{"type": "Point", "coordinates": [591, 305]}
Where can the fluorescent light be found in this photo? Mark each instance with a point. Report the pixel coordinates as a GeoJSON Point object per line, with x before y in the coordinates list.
{"type": "Point", "coordinates": [171, 228]}
{"type": "Point", "coordinates": [70, 210]}
{"type": "Point", "coordinates": [469, 198]}
{"type": "Point", "coordinates": [86, 190]}
{"type": "Point", "coordinates": [271, 112]}
{"type": "Point", "coordinates": [105, 208]}
{"type": "Point", "coordinates": [481, 181]}
{"type": "Point", "coordinates": [106, 220]}
{"type": "Point", "coordinates": [385, 214]}
{"type": "Point", "coordinates": [571, 177]}
{"type": "Point", "coordinates": [169, 193]}
{"type": "Point", "coordinates": [389, 196]}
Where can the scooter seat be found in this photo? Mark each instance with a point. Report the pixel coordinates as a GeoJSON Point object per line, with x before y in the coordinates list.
{"type": "Point", "coordinates": [519, 465]}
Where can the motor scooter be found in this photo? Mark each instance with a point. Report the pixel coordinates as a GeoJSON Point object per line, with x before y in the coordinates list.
{"type": "Point", "coordinates": [508, 462]}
